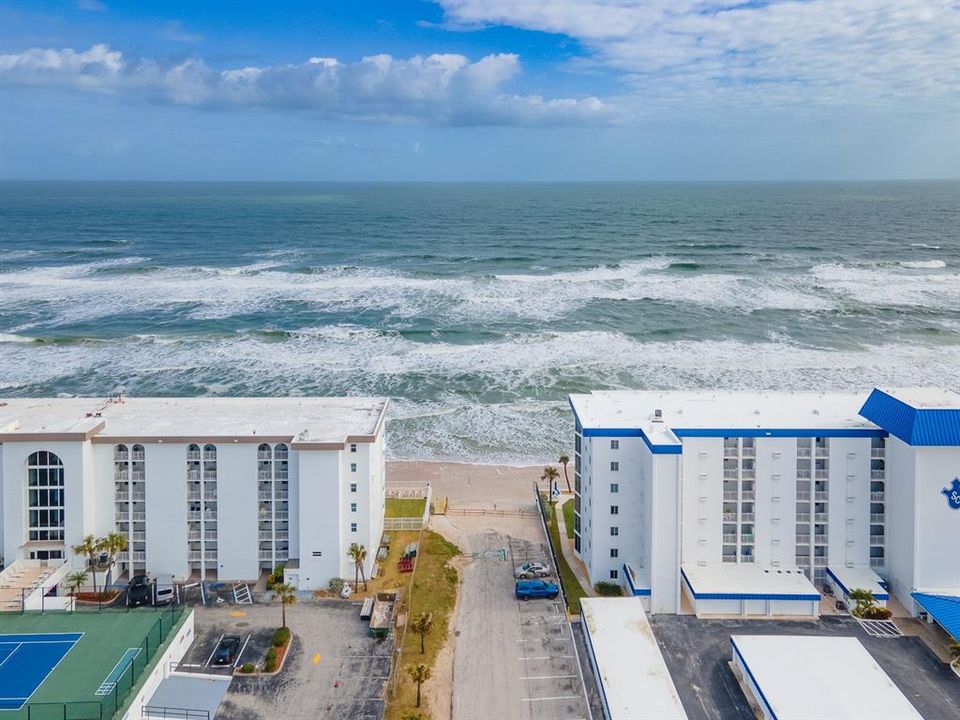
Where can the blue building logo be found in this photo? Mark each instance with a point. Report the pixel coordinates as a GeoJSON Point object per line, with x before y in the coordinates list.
{"type": "Point", "coordinates": [953, 494]}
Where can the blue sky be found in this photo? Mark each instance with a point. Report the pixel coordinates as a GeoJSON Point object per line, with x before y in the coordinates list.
{"type": "Point", "coordinates": [480, 90]}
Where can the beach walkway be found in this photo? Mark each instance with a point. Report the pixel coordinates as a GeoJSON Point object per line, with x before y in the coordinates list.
{"type": "Point", "coordinates": [566, 545]}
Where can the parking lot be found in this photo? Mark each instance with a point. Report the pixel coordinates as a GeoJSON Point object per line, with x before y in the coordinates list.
{"type": "Point", "coordinates": [333, 669]}
{"type": "Point", "coordinates": [523, 650]}
{"type": "Point", "coordinates": [697, 653]}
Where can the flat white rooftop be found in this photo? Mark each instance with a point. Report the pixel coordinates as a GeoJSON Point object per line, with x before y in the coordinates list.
{"type": "Point", "coordinates": [720, 581]}
{"type": "Point", "coordinates": [308, 419]}
{"type": "Point", "coordinates": [800, 677]}
{"type": "Point", "coordinates": [635, 679]}
{"type": "Point", "coordinates": [857, 578]}
{"type": "Point", "coordinates": [739, 410]}
{"type": "Point", "coordinates": [925, 398]}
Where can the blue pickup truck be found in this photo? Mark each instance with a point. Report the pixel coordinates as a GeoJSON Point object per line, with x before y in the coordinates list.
{"type": "Point", "coordinates": [526, 589]}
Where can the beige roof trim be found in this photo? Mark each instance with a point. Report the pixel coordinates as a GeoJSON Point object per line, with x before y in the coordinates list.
{"type": "Point", "coordinates": [82, 435]}
{"type": "Point", "coordinates": [317, 446]}
{"type": "Point", "coordinates": [187, 440]}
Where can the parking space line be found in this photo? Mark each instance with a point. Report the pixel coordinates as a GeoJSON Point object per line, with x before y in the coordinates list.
{"type": "Point", "coordinates": [215, 646]}
{"type": "Point", "coordinates": [240, 654]}
{"type": "Point", "coordinates": [547, 677]}
{"type": "Point", "coordinates": [556, 697]}
{"type": "Point", "coordinates": [547, 657]}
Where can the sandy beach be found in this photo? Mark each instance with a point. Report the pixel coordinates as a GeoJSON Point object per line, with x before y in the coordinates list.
{"type": "Point", "coordinates": [474, 485]}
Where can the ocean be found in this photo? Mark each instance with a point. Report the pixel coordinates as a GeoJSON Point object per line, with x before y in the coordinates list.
{"type": "Point", "coordinates": [476, 307]}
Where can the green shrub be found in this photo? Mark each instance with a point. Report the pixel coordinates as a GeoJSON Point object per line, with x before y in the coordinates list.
{"type": "Point", "coordinates": [247, 668]}
{"type": "Point", "coordinates": [275, 578]}
{"type": "Point", "coordinates": [271, 663]}
{"type": "Point", "coordinates": [281, 636]}
{"type": "Point", "coordinates": [336, 585]}
{"type": "Point", "coordinates": [608, 589]}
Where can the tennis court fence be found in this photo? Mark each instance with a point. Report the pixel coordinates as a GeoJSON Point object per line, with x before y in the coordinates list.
{"type": "Point", "coordinates": [115, 691]}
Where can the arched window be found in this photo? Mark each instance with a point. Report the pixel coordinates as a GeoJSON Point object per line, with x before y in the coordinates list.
{"type": "Point", "coordinates": [45, 496]}
{"type": "Point", "coordinates": [264, 453]}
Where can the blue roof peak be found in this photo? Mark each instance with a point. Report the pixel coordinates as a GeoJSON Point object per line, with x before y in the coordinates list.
{"type": "Point", "coordinates": [914, 420]}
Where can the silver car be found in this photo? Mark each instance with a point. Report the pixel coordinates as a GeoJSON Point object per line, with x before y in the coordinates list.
{"type": "Point", "coordinates": [530, 570]}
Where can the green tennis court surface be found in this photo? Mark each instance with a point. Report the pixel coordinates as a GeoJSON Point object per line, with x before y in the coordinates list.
{"type": "Point", "coordinates": [109, 653]}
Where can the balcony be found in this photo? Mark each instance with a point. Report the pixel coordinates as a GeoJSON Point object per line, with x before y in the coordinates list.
{"type": "Point", "coordinates": [819, 539]}
{"type": "Point", "coordinates": [264, 455]}
{"type": "Point", "coordinates": [747, 538]}
{"type": "Point", "coordinates": [730, 495]}
{"type": "Point", "coordinates": [137, 475]}
{"type": "Point", "coordinates": [803, 539]}
{"type": "Point", "coordinates": [819, 561]}
{"type": "Point", "coordinates": [730, 517]}
{"type": "Point", "coordinates": [193, 495]}
{"type": "Point", "coordinates": [877, 474]}
{"type": "Point", "coordinates": [749, 495]}
{"type": "Point", "coordinates": [749, 473]}
{"type": "Point", "coordinates": [803, 452]}
{"type": "Point", "coordinates": [265, 495]}
{"type": "Point", "coordinates": [802, 560]}
{"type": "Point", "coordinates": [193, 455]}
{"type": "Point", "coordinates": [803, 495]}
{"type": "Point", "coordinates": [876, 539]}
{"type": "Point", "coordinates": [803, 473]}
{"type": "Point", "coordinates": [138, 516]}
{"type": "Point", "coordinates": [264, 475]}
{"type": "Point", "coordinates": [730, 537]}
{"type": "Point", "coordinates": [210, 455]}
{"type": "Point", "coordinates": [265, 535]}
{"type": "Point", "coordinates": [821, 496]}
{"type": "Point", "coordinates": [803, 517]}
{"type": "Point", "coordinates": [730, 474]}
{"type": "Point", "coordinates": [878, 453]}
{"type": "Point", "coordinates": [879, 518]}
{"type": "Point", "coordinates": [194, 515]}
{"type": "Point", "coordinates": [122, 497]}
{"type": "Point", "coordinates": [193, 475]}
{"type": "Point", "coordinates": [281, 495]}
{"type": "Point", "coordinates": [876, 562]}
{"type": "Point", "coordinates": [823, 452]}
{"type": "Point", "coordinates": [746, 517]}
{"type": "Point", "coordinates": [821, 517]}
{"type": "Point", "coordinates": [138, 456]}
{"type": "Point", "coordinates": [821, 474]}
{"type": "Point", "coordinates": [749, 452]}
{"type": "Point", "coordinates": [877, 496]}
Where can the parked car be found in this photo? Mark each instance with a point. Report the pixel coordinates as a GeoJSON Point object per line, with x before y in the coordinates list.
{"type": "Point", "coordinates": [526, 589]}
{"type": "Point", "coordinates": [163, 591]}
{"type": "Point", "coordinates": [531, 570]}
{"type": "Point", "coordinates": [139, 591]}
{"type": "Point", "coordinates": [227, 650]}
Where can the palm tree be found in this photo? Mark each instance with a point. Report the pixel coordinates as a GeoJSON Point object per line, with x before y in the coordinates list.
{"type": "Point", "coordinates": [287, 595]}
{"type": "Point", "coordinates": [955, 651]}
{"type": "Point", "coordinates": [550, 474]}
{"type": "Point", "coordinates": [113, 544]}
{"type": "Point", "coordinates": [419, 673]}
{"type": "Point", "coordinates": [564, 459]}
{"type": "Point", "coordinates": [75, 581]}
{"type": "Point", "coordinates": [866, 603]}
{"type": "Point", "coordinates": [358, 553]}
{"type": "Point", "coordinates": [90, 547]}
{"type": "Point", "coordinates": [421, 625]}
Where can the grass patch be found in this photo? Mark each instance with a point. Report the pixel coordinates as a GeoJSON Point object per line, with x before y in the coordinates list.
{"type": "Point", "coordinates": [568, 517]}
{"type": "Point", "coordinates": [571, 585]}
{"type": "Point", "coordinates": [434, 591]}
{"type": "Point", "coordinates": [405, 507]}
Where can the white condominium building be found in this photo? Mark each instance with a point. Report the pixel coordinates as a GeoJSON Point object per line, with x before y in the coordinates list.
{"type": "Point", "coordinates": [203, 488]}
{"type": "Point", "coordinates": [747, 503]}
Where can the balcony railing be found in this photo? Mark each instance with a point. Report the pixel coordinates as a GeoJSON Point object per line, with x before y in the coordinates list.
{"type": "Point", "coordinates": [138, 516]}
{"type": "Point", "coordinates": [878, 453]}
{"type": "Point", "coordinates": [820, 539]}
{"type": "Point", "coordinates": [877, 474]}
{"type": "Point", "coordinates": [193, 475]}
{"type": "Point", "coordinates": [821, 496]}
{"type": "Point", "coordinates": [730, 495]}
{"type": "Point", "coordinates": [803, 539]}
{"type": "Point", "coordinates": [747, 538]}
{"type": "Point", "coordinates": [819, 561]}
{"type": "Point", "coordinates": [749, 495]}
{"type": "Point", "coordinates": [730, 474]}
{"type": "Point", "coordinates": [803, 452]}
{"type": "Point", "coordinates": [730, 517]}
{"type": "Point", "coordinates": [802, 473]}
{"type": "Point", "coordinates": [193, 455]}
{"type": "Point", "coordinates": [803, 517]}
{"type": "Point", "coordinates": [877, 496]}
{"type": "Point", "coordinates": [877, 539]}
{"type": "Point", "coordinates": [730, 537]}
{"type": "Point", "coordinates": [746, 517]}
{"type": "Point", "coordinates": [878, 518]}
{"type": "Point", "coordinates": [876, 562]}
{"type": "Point", "coordinates": [264, 455]}
{"type": "Point", "coordinates": [802, 560]}
{"type": "Point", "coordinates": [264, 475]}
{"type": "Point", "coordinates": [749, 452]}
{"type": "Point", "coordinates": [209, 454]}
{"type": "Point", "coordinates": [803, 495]}
{"type": "Point", "coordinates": [821, 474]}
{"type": "Point", "coordinates": [821, 517]}
{"type": "Point", "coordinates": [749, 473]}
{"type": "Point", "coordinates": [823, 452]}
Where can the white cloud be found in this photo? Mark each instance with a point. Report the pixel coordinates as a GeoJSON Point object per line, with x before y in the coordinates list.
{"type": "Point", "coordinates": [868, 53]}
{"type": "Point", "coordinates": [91, 5]}
{"type": "Point", "coordinates": [441, 88]}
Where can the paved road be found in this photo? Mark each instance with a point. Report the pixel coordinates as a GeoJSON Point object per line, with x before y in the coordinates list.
{"type": "Point", "coordinates": [512, 660]}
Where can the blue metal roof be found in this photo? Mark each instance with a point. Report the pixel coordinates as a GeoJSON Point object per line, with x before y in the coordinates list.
{"type": "Point", "coordinates": [915, 426]}
{"type": "Point", "coordinates": [945, 609]}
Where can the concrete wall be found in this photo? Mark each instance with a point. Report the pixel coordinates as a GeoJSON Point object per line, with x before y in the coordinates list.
{"type": "Point", "coordinates": [174, 653]}
{"type": "Point", "coordinates": [320, 513]}
{"type": "Point", "coordinates": [166, 505]}
{"type": "Point", "coordinates": [901, 516]}
{"type": "Point", "coordinates": [937, 553]}
{"type": "Point", "coordinates": [237, 509]}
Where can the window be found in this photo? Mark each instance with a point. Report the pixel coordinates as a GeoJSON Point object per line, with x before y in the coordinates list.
{"type": "Point", "coordinates": [614, 466]}
{"type": "Point", "coordinates": [614, 444]}
{"type": "Point", "coordinates": [353, 447]}
{"type": "Point", "coordinates": [614, 509]}
{"type": "Point", "coordinates": [613, 574]}
{"type": "Point", "coordinates": [45, 496]}
{"type": "Point", "coordinates": [353, 507]}
{"type": "Point", "coordinates": [353, 467]}
{"type": "Point", "coordinates": [614, 552]}
{"type": "Point", "coordinates": [614, 530]}
{"type": "Point", "coordinates": [614, 487]}
{"type": "Point", "coordinates": [353, 527]}
{"type": "Point", "coordinates": [353, 487]}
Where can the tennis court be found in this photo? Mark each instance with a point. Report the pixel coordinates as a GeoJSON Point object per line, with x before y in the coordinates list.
{"type": "Point", "coordinates": [26, 661]}
{"type": "Point", "coordinates": [78, 665]}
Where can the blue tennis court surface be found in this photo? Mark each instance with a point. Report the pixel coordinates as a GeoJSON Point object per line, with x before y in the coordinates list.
{"type": "Point", "coordinates": [26, 661]}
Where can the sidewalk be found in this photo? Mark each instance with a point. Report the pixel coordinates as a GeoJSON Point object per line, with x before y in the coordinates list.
{"type": "Point", "coordinates": [566, 545]}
